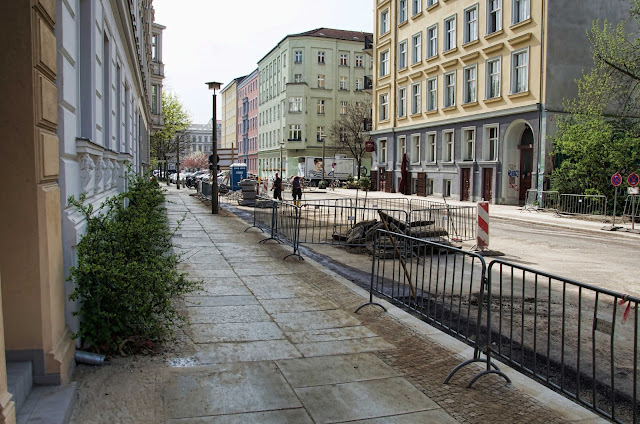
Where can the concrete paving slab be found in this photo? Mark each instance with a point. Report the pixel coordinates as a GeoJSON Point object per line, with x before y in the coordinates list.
{"type": "Point", "coordinates": [223, 290]}
{"type": "Point", "coordinates": [192, 242]}
{"type": "Point", "coordinates": [312, 320]}
{"type": "Point", "coordinates": [435, 416]}
{"type": "Point", "coordinates": [204, 301]}
{"type": "Point", "coordinates": [215, 272]}
{"type": "Point", "coordinates": [323, 370]}
{"type": "Point", "coordinates": [269, 268]}
{"type": "Point", "coordinates": [340, 347]}
{"type": "Point", "coordinates": [283, 292]}
{"type": "Point", "coordinates": [263, 350]}
{"type": "Point", "coordinates": [330, 334]}
{"type": "Point", "coordinates": [362, 400]}
{"type": "Point", "coordinates": [315, 303]}
{"type": "Point", "coordinates": [232, 389]}
{"type": "Point", "coordinates": [226, 314]}
{"type": "Point", "coordinates": [297, 416]}
{"type": "Point", "coordinates": [236, 332]}
{"type": "Point", "coordinates": [203, 256]}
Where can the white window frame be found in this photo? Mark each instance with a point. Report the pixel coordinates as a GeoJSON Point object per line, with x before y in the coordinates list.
{"type": "Point", "coordinates": [432, 94]}
{"type": "Point", "coordinates": [297, 78]}
{"type": "Point", "coordinates": [432, 41]}
{"type": "Point", "coordinates": [359, 62]}
{"type": "Point", "coordinates": [344, 83]}
{"type": "Point", "coordinates": [515, 71]}
{"type": "Point", "coordinates": [320, 110]}
{"type": "Point", "coordinates": [416, 97]}
{"type": "Point", "coordinates": [449, 31]}
{"type": "Point", "coordinates": [449, 95]}
{"type": "Point", "coordinates": [382, 144]}
{"type": "Point", "coordinates": [487, 141]}
{"type": "Point", "coordinates": [295, 104]}
{"type": "Point", "coordinates": [432, 150]}
{"type": "Point", "coordinates": [470, 83]}
{"type": "Point", "coordinates": [384, 21]}
{"type": "Point", "coordinates": [344, 59]}
{"type": "Point", "coordinates": [471, 23]}
{"type": "Point", "coordinates": [402, 147]}
{"type": "Point", "coordinates": [321, 80]}
{"type": "Point", "coordinates": [416, 48]}
{"type": "Point", "coordinates": [431, 2]}
{"type": "Point", "coordinates": [359, 84]}
{"type": "Point", "coordinates": [497, 11]}
{"type": "Point", "coordinates": [520, 11]}
{"type": "Point", "coordinates": [448, 146]}
{"type": "Point", "coordinates": [416, 7]}
{"type": "Point", "coordinates": [384, 63]}
{"type": "Point", "coordinates": [295, 129]}
{"type": "Point", "coordinates": [402, 54]}
{"type": "Point", "coordinates": [402, 102]}
{"type": "Point", "coordinates": [468, 144]}
{"type": "Point", "coordinates": [343, 107]}
{"type": "Point", "coordinates": [489, 92]}
{"type": "Point", "coordinates": [298, 56]}
{"type": "Point", "coordinates": [415, 149]}
{"type": "Point", "coordinates": [320, 135]}
{"type": "Point", "coordinates": [321, 57]}
{"type": "Point", "coordinates": [383, 103]}
{"type": "Point", "coordinates": [402, 11]}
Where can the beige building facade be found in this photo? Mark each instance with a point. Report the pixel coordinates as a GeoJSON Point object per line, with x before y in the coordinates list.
{"type": "Point", "coordinates": [468, 90]}
{"type": "Point", "coordinates": [229, 109]}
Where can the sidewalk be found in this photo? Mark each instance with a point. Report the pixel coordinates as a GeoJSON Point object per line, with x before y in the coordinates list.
{"type": "Point", "coordinates": [277, 341]}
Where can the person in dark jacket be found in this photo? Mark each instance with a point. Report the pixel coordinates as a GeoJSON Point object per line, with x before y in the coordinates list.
{"type": "Point", "coordinates": [296, 188]}
{"type": "Point", "coordinates": [277, 188]}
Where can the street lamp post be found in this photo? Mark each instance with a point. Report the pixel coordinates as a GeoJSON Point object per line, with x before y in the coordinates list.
{"type": "Point", "coordinates": [214, 180]}
{"type": "Point", "coordinates": [281, 171]}
{"type": "Point", "coordinates": [178, 162]}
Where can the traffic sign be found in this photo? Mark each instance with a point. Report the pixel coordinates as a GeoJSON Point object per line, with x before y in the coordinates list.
{"type": "Point", "coordinates": [632, 179]}
{"type": "Point", "coordinates": [616, 179]}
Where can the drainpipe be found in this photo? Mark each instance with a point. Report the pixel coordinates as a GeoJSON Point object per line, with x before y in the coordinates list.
{"type": "Point", "coordinates": [542, 115]}
{"type": "Point", "coordinates": [394, 87]}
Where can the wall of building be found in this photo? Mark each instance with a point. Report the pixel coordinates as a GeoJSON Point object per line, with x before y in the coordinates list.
{"type": "Point", "coordinates": [247, 137]}
{"type": "Point", "coordinates": [228, 103]}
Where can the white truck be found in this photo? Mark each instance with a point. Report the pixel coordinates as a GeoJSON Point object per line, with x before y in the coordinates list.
{"type": "Point", "coordinates": [310, 167]}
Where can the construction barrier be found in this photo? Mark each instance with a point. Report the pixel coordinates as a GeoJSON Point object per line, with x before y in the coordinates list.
{"type": "Point", "coordinates": [482, 239]}
{"type": "Point", "coordinates": [582, 204]}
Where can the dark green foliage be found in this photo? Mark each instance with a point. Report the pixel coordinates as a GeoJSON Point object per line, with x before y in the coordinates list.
{"type": "Point", "coordinates": [126, 278]}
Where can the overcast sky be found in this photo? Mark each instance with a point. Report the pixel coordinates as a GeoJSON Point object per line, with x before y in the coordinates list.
{"type": "Point", "coordinates": [219, 40]}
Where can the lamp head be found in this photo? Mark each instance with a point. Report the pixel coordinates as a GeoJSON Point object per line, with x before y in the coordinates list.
{"type": "Point", "coordinates": [214, 85]}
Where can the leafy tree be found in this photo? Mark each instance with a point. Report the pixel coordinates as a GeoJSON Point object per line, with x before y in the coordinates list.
{"type": "Point", "coordinates": [601, 134]}
{"type": "Point", "coordinates": [176, 120]}
{"type": "Point", "coordinates": [196, 160]}
{"type": "Point", "coordinates": [348, 132]}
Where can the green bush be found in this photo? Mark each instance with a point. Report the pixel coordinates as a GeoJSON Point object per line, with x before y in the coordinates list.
{"type": "Point", "coordinates": [126, 278]}
{"type": "Point", "coordinates": [365, 182]}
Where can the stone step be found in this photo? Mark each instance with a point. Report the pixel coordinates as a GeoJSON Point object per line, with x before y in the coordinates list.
{"type": "Point", "coordinates": [48, 405]}
{"type": "Point", "coordinates": [19, 381]}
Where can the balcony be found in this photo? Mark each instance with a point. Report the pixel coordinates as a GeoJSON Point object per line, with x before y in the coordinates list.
{"type": "Point", "coordinates": [157, 69]}
{"type": "Point", "coordinates": [368, 84]}
{"type": "Point", "coordinates": [368, 44]}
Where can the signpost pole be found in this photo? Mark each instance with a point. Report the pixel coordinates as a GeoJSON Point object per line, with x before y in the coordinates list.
{"type": "Point", "coordinates": [615, 201]}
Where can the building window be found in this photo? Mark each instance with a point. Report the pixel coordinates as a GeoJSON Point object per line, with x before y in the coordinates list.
{"type": "Point", "coordinates": [520, 11]}
{"type": "Point", "coordinates": [320, 107]}
{"type": "Point", "coordinates": [431, 147]}
{"type": "Point", "coordinates": [320, 57]}
{"type": "Point", "coordinates": [384, 106]}
{"type": "Point", "coordinates": [298, 56]}
{"type": "Point", "coordinates": [320, 135]}
{"type": "Point", "coordinates": [450, 89]}
{"type": "Point", "coordinates": [154, 98]}
{"type": "Point", "coordinates": [431, 2]}
{"type": "Point", "coordinates": [432, 93]}
{"type": "Point", "coordinates": [432, 40]}
{"type": "Point", "coordinates": [383, 152]}
{"type": "Point", "coordinates": [490, 143]}
{"type": "Point", "coordinates": [493, 78]}
{"type": "Point", "coordinates": [358, 61]}
{"type": "Point", "coordinates": [384, 21]}
{"type": "Point", "coordinates": [470, 74]}
{"type": "Point", "coordinates": [447, 146]}
{"type": "Point", "coordinates": [402, 11]}
{"type": "Point", "coordinates": [343, 108]}
{"type": "Point", "coordinates": [344, 59]}
{"type": "Point", "coordinates": [295, 104]}
{"type": "Point", "coordinates": [415, 148]}
{"type": "Point", "coordinates": [416, 7]}
{"type": "Point", "coordinates": [295, 132]}
{"type": "Point", "coordinates": [520, 71]}
{"type": "Point", "coordinates": [402, 54]}
{"type": "Point", "coordinates": [446, 190]}
{"type": "Point", "coordinates": [154, 48]}
{"type": "Point", "coordinates": [402, 147]}
{"type": "Point", "coordinates": [416, 90]}
{"type": "Point", "coordinates": [384, 63]}
{"type": "Point", "coordinates": [402, 102]}
{"type": "Point", "coordinates": [416, 48]}
{"type": "Point", "coordinates": [297, 78]}
{"type": "Point", "coordinates": [471, 24]}
{"type": "Point", "coordinates": [344, 84]}
{"type": "Point", "coordinates": [494, 16]}
{"type": "Point", "coordinates": [468, 144]}
{"type": "Point", "coordinates": [320, 80]}
{"type": "Point", "coordinates": [450, 33]}
{"type": "Point", "coordinates": [359, 84]}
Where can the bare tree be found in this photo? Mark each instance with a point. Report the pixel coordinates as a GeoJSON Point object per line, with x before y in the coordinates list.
{"type": "Point", "coordinates": [350, 132]}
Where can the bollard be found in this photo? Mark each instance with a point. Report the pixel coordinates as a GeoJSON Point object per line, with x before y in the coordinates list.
{"type": "Point", "coordinates": [482, 238]}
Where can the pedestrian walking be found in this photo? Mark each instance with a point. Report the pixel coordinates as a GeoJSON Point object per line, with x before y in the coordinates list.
{"type": "Point", "coordinates": [277, 188]}
{"type": "Point", "coordinates": [296, 188]}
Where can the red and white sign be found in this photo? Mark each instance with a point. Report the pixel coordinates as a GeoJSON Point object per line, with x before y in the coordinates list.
{"type": "Point", "coordinates": [482, 238]}
{"type": "Point", "coordinates": [616, 179]}
{"type": "Point", "coordinates": [632, 179]}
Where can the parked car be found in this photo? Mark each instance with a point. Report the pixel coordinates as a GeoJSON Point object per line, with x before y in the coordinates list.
{"type": "Point", "coordinates": [173, 177]}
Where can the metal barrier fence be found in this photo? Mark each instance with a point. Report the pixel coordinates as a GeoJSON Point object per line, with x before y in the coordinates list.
{"type": "Point", "coordinates": [632, 208]}
{"type": "Point", "coordinates": [550, 200]}
{"type": "Point", "coordinates": [579, 339]}
{"type": "Point", "coordinates": [456, 223]}
{"type": "Point", "coordinates": [582, 204]}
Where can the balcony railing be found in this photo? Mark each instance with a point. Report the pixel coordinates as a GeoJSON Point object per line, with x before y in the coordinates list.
{"type": "Point", "coordinates": [368, 83]}
{"type": "Point", "coordinates": [368, 42]}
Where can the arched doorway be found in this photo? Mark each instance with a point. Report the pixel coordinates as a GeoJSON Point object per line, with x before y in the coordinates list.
{"type": "Point", "coordinates": [518, 162]}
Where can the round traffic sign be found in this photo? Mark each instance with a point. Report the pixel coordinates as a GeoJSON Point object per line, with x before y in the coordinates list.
{"type": "Point", "coordinates": [616, 179]}
{"type": "Point", "coordinates": [632, 179]}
